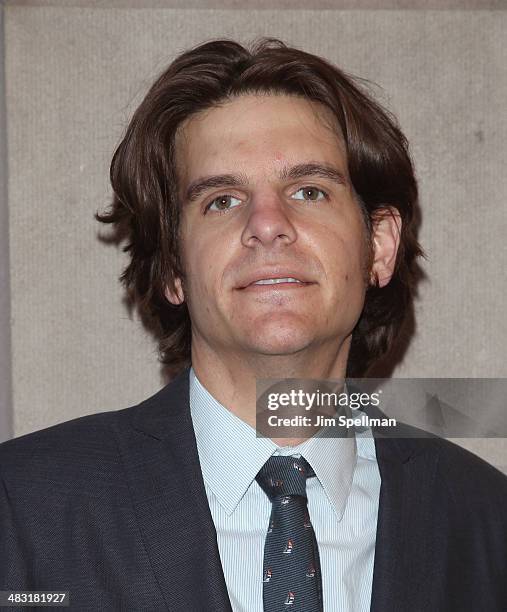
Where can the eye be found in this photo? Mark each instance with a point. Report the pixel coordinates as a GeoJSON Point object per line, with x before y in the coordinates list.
{"type": "Point", "coordinates": [222, 203]}
{"type": "Point", "coordinates": [310, 193]}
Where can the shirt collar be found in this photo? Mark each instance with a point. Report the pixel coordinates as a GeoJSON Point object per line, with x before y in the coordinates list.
{"type": "Point", "coordinates": [231, 454]}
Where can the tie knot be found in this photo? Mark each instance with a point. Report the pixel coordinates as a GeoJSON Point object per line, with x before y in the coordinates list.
{"type": "Point", "coordinates": [281, 476]}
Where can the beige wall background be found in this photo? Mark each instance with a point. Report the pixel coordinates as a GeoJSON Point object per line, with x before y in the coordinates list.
{"type": "Point", "coordinates": [73, 74]}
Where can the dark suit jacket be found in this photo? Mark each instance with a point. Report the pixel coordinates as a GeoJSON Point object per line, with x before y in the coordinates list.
{"type": "Point", "coordinates": [112, 508]}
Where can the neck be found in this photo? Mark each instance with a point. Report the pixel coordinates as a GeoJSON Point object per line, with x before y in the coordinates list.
{"type": "Point", "coordinates": [231, 377]}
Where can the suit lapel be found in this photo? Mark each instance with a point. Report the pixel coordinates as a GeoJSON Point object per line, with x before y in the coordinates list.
{"type": "Point", "coordinates": [159, 451]}
{"type": "Point", "coordinates": [405, 543]}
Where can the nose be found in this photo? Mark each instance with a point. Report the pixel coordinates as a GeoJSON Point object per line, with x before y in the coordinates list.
{"type": "Point", "coordinates": [268, 223]}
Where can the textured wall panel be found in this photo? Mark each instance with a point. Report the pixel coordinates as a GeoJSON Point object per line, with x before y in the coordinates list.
{"type": "Point", "coordinates": [270, 4]}
{"type": "Point", "coordinates": [5, 328]}
{"type": "Point", "coordinates": [74, 76]}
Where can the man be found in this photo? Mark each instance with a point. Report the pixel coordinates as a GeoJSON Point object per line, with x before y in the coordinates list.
{"type": "Point", "coordinates": [268, 204]}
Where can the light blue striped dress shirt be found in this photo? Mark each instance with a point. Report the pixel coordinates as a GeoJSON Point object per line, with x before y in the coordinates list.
{"type": "Point", "coordinates": [342, 503]}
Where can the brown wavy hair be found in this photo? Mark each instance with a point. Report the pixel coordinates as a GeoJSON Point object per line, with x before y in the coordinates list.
{"type": "Point", "coordinates": [146, 213]}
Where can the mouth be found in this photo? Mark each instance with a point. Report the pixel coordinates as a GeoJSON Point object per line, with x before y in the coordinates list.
{"type": "Point", "coordinates": [276, 283]}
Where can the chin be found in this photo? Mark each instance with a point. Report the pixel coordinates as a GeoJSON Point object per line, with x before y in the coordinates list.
{"type": "Point", "coordinates": [279, 340]}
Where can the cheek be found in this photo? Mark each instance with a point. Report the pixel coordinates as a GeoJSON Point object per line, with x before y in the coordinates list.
{"type": "Point", "coordinates": [353, 258]}
{"type": "Point", "coordinates": [203, 267]}
{"type": "Point", "coordinates": [345, 259]}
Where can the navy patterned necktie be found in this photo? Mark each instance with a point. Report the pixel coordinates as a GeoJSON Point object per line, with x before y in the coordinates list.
{"type": "Point", "coordinates": [291, 577]}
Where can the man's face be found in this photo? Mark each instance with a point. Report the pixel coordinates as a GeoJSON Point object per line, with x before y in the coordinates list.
{"type": "Point", "coordinates": [276, 219]}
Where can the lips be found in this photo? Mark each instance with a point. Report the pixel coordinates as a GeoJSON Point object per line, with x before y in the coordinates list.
{"type": "Point", "coordinates": [276, 281]}
{"type": "Point", "coordinates": [274, 277]}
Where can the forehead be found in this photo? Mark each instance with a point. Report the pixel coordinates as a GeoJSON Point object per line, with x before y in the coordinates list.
{"type": "Point", "coordinates": [260, 130]}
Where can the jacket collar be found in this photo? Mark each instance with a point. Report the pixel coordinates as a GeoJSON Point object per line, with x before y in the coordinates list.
{"type": "Point", "coordinates": [153, 417]}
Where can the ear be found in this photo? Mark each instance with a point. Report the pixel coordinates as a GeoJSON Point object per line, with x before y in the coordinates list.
{"type": "Point", "coordinates": [386, 240]}
{"type": "Point", "coordinates": [174, 293]}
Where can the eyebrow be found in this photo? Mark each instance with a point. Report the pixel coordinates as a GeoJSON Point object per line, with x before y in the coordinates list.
{"type": "Point", "coordinates": [201, 185]}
